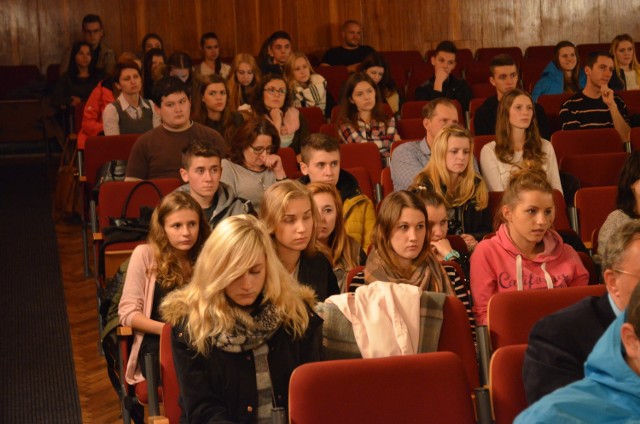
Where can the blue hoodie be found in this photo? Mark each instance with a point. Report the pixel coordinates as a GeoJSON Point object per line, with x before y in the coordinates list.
{"type": "Point", "coordinates": [552, 81]}
{"type": "Point", "coordinates": [609, 393]}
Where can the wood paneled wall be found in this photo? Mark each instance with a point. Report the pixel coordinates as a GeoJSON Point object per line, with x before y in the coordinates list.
{"type": "Point", "coordinates": [38, 31]}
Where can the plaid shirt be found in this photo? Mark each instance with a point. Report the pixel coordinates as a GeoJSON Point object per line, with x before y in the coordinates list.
{"type": "Point", "coordinates": [380, 133]}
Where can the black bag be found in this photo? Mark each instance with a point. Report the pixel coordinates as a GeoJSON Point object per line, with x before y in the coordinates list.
{"type": "Point", "coordinates": [126, 229]}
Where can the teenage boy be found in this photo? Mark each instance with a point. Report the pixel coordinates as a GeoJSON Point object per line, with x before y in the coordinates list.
{"type": "Point", "coordinates": [443, 84]}
{"type": "Point", "coordinates": [201, 171]}
{"type": "Point", "coordinates": [321, 162]}
{"type": "Point", "coordinates": [157, 153]}
{"type": "Point", "coordinates": [596, 106]}
{"type": "Point", "coordinates": [504, 77]}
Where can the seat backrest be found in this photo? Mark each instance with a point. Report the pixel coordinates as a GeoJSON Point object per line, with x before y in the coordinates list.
{"type": "Point", "coordinates": [474, 104]}
{"type": "Point", "coordinates": [410, 129]}
{"type": "Point", "coordinates": [531, 71]}
{"type": "Point", "coordinates": [632, 100]}
{"type": "Point", "coordinates": [505, 381]}
{"type": "Point", "coordinates": [593, 204]}
{"type": "Point", "coordinates": [482, 89]}
{"type": "Point", "coordinates": [331, 130]}
{"type": "Point", "coordinates": [314, 117]}
{"type": "Point", "coordinates": [512, 315]}
{"type": "Point", "coordinates": [585, 49]}
{"type": "Point", "coordinates": [485, 54]}
{"type": "Point", "coordinates": [386, 181]}
{"type": "Point", "coordinates": [479, 141]}
{"type": "Point", "coordinates": [552, 103]}
{"type": "Point", "coordinates": [365, 155]}
{"type": "Point", "coordinates": [412, 109]}
{"type": "Point", "coordinates": [580, 142]}
{"type": "Point", "coordinates": [101, 149]}
{"type": "Point", "coordinates": [289, 162]}
{"type": "Point", "coordinates": [478, 73]}
{"type": "Point", "coordinates": [455, 336]}
{"type": "Point", "coordinates": [635, 138]}
{"type": "Point", "coordinates": [170, 388]}
{"type": "Point", "coordinates": [540, 52]}
{"type": "Point", "coordinates": [364, 181]}
{"type": "Point", "coordinates": [113, 195]}
{"type": "Point", "coordinates": [428, 387]}
{"type": "Point", "coordinates": [595, 170]}
{"type": "Point", "coordinates": [335, 76]}
{"type": "Point", "coordinates": [420, 73]}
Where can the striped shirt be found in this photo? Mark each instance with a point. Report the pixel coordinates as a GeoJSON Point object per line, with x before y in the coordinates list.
{"type": "Point", "coordinates": [582, 112]}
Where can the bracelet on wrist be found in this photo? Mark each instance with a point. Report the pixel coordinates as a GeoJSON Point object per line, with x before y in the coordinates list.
{"type": "Point", "coordinates": [451, 255]}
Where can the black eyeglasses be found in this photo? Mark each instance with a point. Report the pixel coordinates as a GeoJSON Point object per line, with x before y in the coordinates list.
{"type": "Point", "coordinates": [261, 149]}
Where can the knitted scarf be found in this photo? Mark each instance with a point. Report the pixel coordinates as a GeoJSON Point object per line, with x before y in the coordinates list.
{"type": "Point", "coordinates": [251, 332]}
{"type": "Point", "coordinates": [423, 277]}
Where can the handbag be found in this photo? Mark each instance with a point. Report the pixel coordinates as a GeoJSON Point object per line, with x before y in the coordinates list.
{"type": "Point", "coordinates": [67, 199]}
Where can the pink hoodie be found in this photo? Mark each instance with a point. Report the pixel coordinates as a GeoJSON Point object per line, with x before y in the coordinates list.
{"type": "Point", "coordinates": [497, 266]}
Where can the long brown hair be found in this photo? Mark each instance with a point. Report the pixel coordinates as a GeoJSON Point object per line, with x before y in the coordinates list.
{"type": "Point", "coordinates": [470, 186]}
{"type": "Point", "coordinates": [532, 154]}
{"type": "Point", "coordinates": [388, 215]}
{"type": "Point", "coordinates": [571, 84]}
{"type": "Point", "coordinates": [349, 110]}
{"type": "Point", "coordinates": [169, 271]}
{"type": "Point", "coordinates": [344, 251]}
{"type": "Point", "coordinates": [200, 112]}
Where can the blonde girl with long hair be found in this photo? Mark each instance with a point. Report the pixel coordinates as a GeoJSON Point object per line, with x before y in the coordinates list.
{"type": "Point", "coordinates": [240, 328]}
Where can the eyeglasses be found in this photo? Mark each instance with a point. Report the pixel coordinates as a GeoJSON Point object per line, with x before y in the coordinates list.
{"type": "Point", "coordinates": [621, 271]}
{"type": "Point", "coordinates": [276, 91]}
{"type": "Point", "coordinates": [261, 149]}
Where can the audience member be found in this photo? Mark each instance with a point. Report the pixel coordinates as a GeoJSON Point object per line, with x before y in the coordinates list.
{"type": "Point", "coordinates": [212, 107]}
{"type": "Point", "coordinates": [77, 83]}
{"type": "Point", "coordinates": [608, 392]}
{"type": "Point", "coordinates": [362, 118]}
{"type": "Point", "coordinates": [560, 343]}
{"type": "Point", "coordinates": [274, 53]}
{"type": "Point", "coordinates": [201, 171]}
{"type": "Point", "coordinates": [129, 113]}
{"type": "Point", "coordinates": [518, 144]}
{"type": "Point", "coordinates": [273, 101]}
{"type": "Point", "coordinates": [344, 252]}
{"type": "Point", "coordinates": [152, 68]}
{"type": "Point", "coordinates": [378, 70]}
{"type": "Point", "coordinates": [244, 77]}
{"type": "Point", "coordinates": [526, 253]}
{"type": "Point", "coordinates": [596, 106]}
{"type": "Point", "coordinates": [438, 230]}
{"type": "Point", "coordinates": [291, 217]}
{"type": "Point", "coordinates": [450, 174]}
{"type": "Point", "coordinates": [563, 74]}
{"type": "Point", "coordinates": [321, 163]}
{"type": "Point", "coordinates": [176, 234]}
{"type": "Point", "coordinates": [352, 51]}
{"type": "Point", "coordinates": [443, 84]}
{"type": "Point", "coordinates": [180, 65]}
{"type": "Point", "coordinates": [157, 153]}
{"type": "Point", "coordinates": [627, 201]}
{"type": "Point", "coordinates": [309, 89]}
{"type": "Point", "coordinates": [150, 41]}
{"type": "Point", "coordinates": [504, 77]}
{"type": "Point", "coordinates": [211, 63]}
{"type": "Point", "coordinates": [252, 164]}
{"type": "Point", "coordinates": [240, 328]}
{"type": "Point", "coordinates": [627, 68]}
{"type": "Point", "coordinates": [103, 58]}
{"type": "Point", "coordinates": [409, 159]}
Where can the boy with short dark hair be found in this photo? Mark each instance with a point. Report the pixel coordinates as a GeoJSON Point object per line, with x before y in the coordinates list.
{"type": "Point", "coordinates": [321, 162]}
{"type": "Point", "coordinates": [157, 153]}
{"type": "Point", "coordinates": [201, 171]}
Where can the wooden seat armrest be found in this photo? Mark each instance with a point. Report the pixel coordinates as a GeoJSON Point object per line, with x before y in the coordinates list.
{"type": "Point", "coordinates": [158, 419]}
{"type": "Point", "coordinates": [97, 236]}
{"type": "Point", "coordinates": [125, 331]}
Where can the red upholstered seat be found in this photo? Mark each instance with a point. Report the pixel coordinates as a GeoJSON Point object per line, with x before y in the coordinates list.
{"type": "Point", "coordinates": [505, 382]}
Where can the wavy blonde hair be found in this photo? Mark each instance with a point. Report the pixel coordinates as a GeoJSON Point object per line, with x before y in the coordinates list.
{"type": "Point", "coordinates": [635, 66]}
{"type": "Point", "coordinates": [288, 70]}
{"type": "Point", "coordinates": [232, 249]}
{"type": "Point", "coordinates": [235, 88]}
{"type": "Point", "coordinates": [469, 187]}
{"type": "Point", "coordinates": [343, 250]}
{"type": "Point", "coordinates": [169, 271]}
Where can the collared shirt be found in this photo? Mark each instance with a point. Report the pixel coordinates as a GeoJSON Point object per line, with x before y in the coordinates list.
{"type": "Point", "coordinates": [111, 121]}
{"type": "Point", "coordinates": [379, 132]}
{"type": "Point", "coordinates": [407, 161]}
{"type": "Point", "coordinates": [615, 308]}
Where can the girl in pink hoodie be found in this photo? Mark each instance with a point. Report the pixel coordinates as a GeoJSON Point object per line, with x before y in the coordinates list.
{"type": "Point", "coordinates": [525, 254]}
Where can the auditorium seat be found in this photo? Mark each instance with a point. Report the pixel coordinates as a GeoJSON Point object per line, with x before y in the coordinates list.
{"type": "Point", "coordinates": [505, 383]}
{"type": "Point", "coordinates": [479, 141]}
{"type": "Point", "coordinates": [411, 129]}
{"type": "Point", "coordinates": [386, 182]}
{"type": "Point", "coordinates": [314, 116]}
{"type": "Point", "coordinates": [593, 205]}
{"type": "Point", "coordinates": [540, 52]}
{"type": "Point", "coordinates": [289, 162]}
{"type": "Point", "coordinates": [595, 170]}
{"type": "Point", "coordinates": [335, 76]}
{"type": "Point", "coordinates": [486, 54]}
{"type": "Point", "coordinates": [552, 103]}
{"type": "Point", "coordinates": [580, 142]}
{"type": "Point", "coordinates": [420, 73]}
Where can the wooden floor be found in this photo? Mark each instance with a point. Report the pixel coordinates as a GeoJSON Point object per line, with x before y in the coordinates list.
{"type": "Point", "coordinates": [98, 399]}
